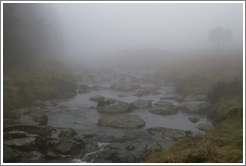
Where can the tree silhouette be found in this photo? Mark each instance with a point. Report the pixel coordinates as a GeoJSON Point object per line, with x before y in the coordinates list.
{"type": "Point", "coordinates": [219, 36]}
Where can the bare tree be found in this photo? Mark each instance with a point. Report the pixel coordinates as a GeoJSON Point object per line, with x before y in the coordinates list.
{"type": "Point", "coordinates": [219, 36]}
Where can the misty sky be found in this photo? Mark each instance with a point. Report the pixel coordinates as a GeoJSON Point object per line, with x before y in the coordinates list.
{"type": "Point", "coordinates": [95, 29]}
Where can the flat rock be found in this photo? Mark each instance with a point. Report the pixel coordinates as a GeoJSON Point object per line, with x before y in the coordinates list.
{"type": "Point", "coordinates": [97, 98]}
{"type": "Point", "coordinates": [140, 104]}
{"type": "Point", "coordinates": [162, 110]}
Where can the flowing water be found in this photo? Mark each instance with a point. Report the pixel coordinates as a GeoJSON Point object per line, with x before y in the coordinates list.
{"type": "Point", "coordinates": [80, 114]}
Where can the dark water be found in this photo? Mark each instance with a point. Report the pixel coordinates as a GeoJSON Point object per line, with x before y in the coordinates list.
{"type": "Point", "coordinates": [77, 113]}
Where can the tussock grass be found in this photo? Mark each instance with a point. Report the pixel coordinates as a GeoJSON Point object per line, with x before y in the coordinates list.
{"type": "Point", "coordinates": [23, 85]}
{"type": "Point", "coordinates": [220, 76]}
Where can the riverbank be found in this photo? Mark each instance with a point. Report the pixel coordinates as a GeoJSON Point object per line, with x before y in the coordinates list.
{"type": "Point", "coordinates": [22, 85]}
{"type": "Point", "coordinates": [220, 77]}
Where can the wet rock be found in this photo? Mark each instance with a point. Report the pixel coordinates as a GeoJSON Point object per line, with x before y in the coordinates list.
{"type": "Point", "coordinates": [106, 78]}
{"type": "Point", "coordinates": [122, 121]}
{"type": "Point", "coordinates": [58, 147]}
{"type": "Point", "coordinates": [164, 104]}
{"type": "Point", "coordinates": [97, 98]}
{"type": "Point", "coordinates": [84, 89]}
{"type": "Point", "coordinates": [194, 119]}
{"type": "Point", "coordinates": [140, 104]}
{"type": "Point", "coordinates": [155, 92]}
{"type": "Point", "coordinates": [138, 94]}
{"type": "Point", "coordinates": [170, 97]}
{"type": "Point", "coordinates": [9, 156]}
{"type": "Point", "coordinates": [204, 127]}
{"type": "Point", "coordinates": [162, 110]}
{"type": "Point", "coordinates": [34, 119]}
{"type": "Point", "coordinates": [130, 147]}
{"type": "Point", "coordinates": [195, 106]}
{"type": "Point", "coordinates": [31, 142]}
{"type": "Point", "coordinates": [110, 105]}
{"type": "Point", "coordinates": [97, 88]}
{"type": "Point", "coordinates": [151, 148]}
{"type": "Point", "coordinates": [167, 133]}
{"type": "Point", "coordinates": [43, 131]}
{"type": "Point", "coordinates": [32, 157]}
{"type": "Point", "coordinates": [67, 133]}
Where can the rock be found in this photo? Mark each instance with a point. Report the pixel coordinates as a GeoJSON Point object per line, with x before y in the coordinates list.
{"type": "Point", "coordinates": [34, 119]}
{"type": "Point", "coordinates": [193, 119]}
{"type": "Point", "coordinates": [167, 133]}
{"type": "Point", "coordinates": [164, 104]}
{"type": "Point", "coordinates": [138, 94]}
{"type": "Point", "coordinates": [84, 89]}
{"type": "Point", "coordinates": [122, 121]}
{"type": "Point", "coordinates": [9, 156]}
{"type": "Point", "coordinates": [97, 98]}
{"type": "Point", "coordinates": [125, 87]}
{"type": "Point", "coordinates": [140, 104]}
{"type": "Point", "coordinates": [42, 131]}
{"type": "Point", "coordinates": [151, 148]}
{"type": "Point", "coordinates": [62, 147]}
{"type": "Point", "coordinates": [162, 110]}
{"type": "Point", "coordinates": [31, 142]}
{"type": "Point", "coordinates": [204, 127]}
{"type": "Point", "coordinates": [170, 97]}
{"type": "Point", "coordinates": [17, 134]}
{"type": "Point", "coordinates": [195, 106]}
{"type": "Point", "coordinates": [110, 105]}
{"type": "Point", "coordinates": [97, 88]}
{"type": "Point", "coordinates": [130, 148]}
{"type": "Point", "coordinates": [145, 91]}
{"type": "Point", "coordinates": [67, 133]}
{"type": "Point", "coordinates": [106, 78]}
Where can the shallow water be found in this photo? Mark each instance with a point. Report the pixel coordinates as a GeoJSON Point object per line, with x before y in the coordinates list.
{"type": "Point", "coordinates": [80, 114]}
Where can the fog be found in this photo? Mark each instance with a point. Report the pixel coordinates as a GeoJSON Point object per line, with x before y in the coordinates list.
{"type": "Point", "coordinates": [96, 30]}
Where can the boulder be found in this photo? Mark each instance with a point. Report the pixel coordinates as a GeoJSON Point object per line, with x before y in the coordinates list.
{"type": "Point", "coordinates": [199, 97]}
{"type": "Point", "coordinates": [67, 133]}
{"type": "Point", "coordinates": [162, 110]}
{"type": "Point", "coordinates": [167, 133]}
{"type": "Point", "coordinates": [34, 119]}
{"type": "Point", "coordinates": [42, 131]}
{"type": "Point", "coordinates": [9, 156]}
{"type": "Point", "coordinates": [164, 104]}
{"type": "Point", "coordinates": [97, 88]}
{"type": "Point", "coordinates": [122, 121]}
{"type": "Point", "coordinates": [140, 104]}
{"type": "Point", "coordinates": [31, 142]}
{"type": "Point", "coordinates": [194, 119]}
{"type": "Point", "coordinates": [204, 127]}
{"type": "Point", "coordinates": [110, 105]}
{"type": "Point", "coordinates": [59, 147]}
{"type": "Point", "coordinates": [84, 89]}
{"type": "Point", "coordinates": [195, 106]}
{"type": "Point", "coordinates": [97, 98]}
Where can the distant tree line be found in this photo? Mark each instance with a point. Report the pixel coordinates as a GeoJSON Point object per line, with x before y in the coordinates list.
{"type": "Point", "coordinates": [30, 32]}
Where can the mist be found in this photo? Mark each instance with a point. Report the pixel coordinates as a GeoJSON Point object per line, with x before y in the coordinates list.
{"type": "Point", "coordinates": [95, 30]}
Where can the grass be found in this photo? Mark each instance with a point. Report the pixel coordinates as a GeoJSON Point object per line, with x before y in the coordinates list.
{"type": "Point", "coordinates": [216, 75]}
{"type": "Point", "coordinates": [23, 85]}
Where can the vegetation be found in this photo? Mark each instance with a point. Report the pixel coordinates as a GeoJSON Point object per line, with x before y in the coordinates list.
{"type": "Point", "coordinates": [22, 85]}
{"type": "Point", "coordinates": [220, 77]}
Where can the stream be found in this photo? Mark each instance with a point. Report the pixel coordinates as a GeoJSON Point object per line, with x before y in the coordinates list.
{"type": "Point", "coordinates": [108, 144]}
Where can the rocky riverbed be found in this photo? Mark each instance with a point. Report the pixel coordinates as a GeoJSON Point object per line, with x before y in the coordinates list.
{"type": "Point", "coordinates": [115, 116]}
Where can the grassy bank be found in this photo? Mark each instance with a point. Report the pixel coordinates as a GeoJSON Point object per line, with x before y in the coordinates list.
{"type": "Point", "coordinates": [220, 77]}
{"type": "Point", "coordinates": [24, 84]}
